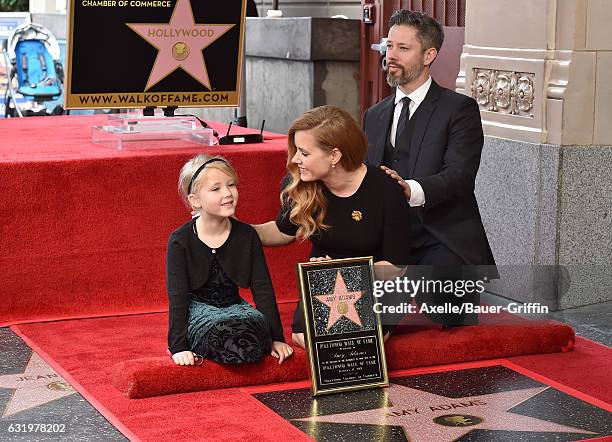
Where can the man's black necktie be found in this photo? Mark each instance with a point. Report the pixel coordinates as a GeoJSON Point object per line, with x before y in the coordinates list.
{"type": "Point", "coordinates": [402, 120]}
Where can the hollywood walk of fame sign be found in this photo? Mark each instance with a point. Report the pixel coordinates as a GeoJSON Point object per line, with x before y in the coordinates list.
{"type": "Point", "coordinates": [144, 53]}
{"type": "Point", "coordinates": [343, 333]}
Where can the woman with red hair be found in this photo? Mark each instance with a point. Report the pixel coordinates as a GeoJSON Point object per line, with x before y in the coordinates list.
{"type": "Point", "coordinates": [331, 198]}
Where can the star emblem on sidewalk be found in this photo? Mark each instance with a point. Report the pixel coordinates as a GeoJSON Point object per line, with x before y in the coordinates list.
{"type": "Point", "coordinates": [180, 43]}
{"type": "Point", "coordinates": [426, 416]}
{"type": "Point", "coordinates": [37, 385]}
{"type": "Point", "coordinates": [341, 303]}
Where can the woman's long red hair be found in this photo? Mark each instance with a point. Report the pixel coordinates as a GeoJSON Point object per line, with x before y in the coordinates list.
{"type": "Point", "coordinates": [332, 128]}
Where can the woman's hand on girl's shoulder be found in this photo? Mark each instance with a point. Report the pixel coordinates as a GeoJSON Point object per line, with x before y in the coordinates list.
{"type": "Point", "coordinates": [184, 358]}
{"type": "Point", "coordinates": [281, 351]}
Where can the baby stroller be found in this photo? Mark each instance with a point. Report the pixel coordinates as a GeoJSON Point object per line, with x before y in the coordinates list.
{"type": "Point", "coordinates": [32, 56]}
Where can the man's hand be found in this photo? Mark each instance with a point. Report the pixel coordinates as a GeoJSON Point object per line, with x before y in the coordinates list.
{"type": "Point", "coordinates": [281, 351]}
{"type": "Point", "coordinates": [404, 185]}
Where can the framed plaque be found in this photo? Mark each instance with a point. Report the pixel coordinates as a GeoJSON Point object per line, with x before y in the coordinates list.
{"type": "Point", "coordinates": [146, 53]}
{"type": "Point", "coordinates": [344, 337]}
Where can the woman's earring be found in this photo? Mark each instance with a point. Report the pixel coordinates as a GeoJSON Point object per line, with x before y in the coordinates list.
{"type": "Point", "coordinates": [333, 166]}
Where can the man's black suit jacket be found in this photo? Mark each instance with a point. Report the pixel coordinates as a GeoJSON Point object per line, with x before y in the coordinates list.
{"type": "Point", "coordinates": [444, 157]}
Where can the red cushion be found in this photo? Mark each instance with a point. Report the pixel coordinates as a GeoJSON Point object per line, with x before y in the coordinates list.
{"type": "Point", "coordinates": [410, 347]}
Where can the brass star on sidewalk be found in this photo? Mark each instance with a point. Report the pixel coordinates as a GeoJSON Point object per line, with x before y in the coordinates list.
{"type": "Point", "coordinates": [427, 417]}
{"type": "Point", "coordinates": [37, 385]}
{"type": "Point", "coordinates": [179, 44]}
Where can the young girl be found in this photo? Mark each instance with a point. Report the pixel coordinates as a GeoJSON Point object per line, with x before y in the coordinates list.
{"type": "Point", "coordinates": [208, 258]}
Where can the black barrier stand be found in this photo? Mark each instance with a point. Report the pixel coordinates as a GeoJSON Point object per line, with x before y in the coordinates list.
{"type": "Point", "coordinates": [149, 111]}
{"type": "Point", "coordinates": [169, 112]}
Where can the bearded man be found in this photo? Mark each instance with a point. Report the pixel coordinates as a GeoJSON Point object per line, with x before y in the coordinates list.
{"type": "Point", "coordinates": [429, 139]}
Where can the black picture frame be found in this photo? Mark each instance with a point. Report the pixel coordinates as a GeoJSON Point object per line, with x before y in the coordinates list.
{"type": "Point", "coordinates": [344, 338]}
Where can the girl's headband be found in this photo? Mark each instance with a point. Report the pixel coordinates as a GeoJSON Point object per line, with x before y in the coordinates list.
{"type": "Point", "coordinates": [197, 172]}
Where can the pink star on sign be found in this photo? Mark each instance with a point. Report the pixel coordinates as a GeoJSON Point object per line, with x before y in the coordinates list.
{"type": "Point", "coordinates": [179, 44]}
{"type": "Point", "coordinates": [341, 303]}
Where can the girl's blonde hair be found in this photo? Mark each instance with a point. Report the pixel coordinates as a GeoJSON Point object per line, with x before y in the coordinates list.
{"type": "Point", "coordinates": [333, 128]}
{"type": "Point", "coordinates": [192, 166]}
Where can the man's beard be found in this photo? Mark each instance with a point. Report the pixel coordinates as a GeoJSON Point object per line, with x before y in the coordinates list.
{"type": "Point", "coordinates": [404, 77]}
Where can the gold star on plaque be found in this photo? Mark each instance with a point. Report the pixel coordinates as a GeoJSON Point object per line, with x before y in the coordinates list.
{"type": "Point", "coordinates": [341, 303]}
{"type": "Point", "coordinates": [357, 215]}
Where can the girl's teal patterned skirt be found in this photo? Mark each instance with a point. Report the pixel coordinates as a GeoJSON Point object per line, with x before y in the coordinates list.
{"type": "Point", "coordinates": [231, 335]}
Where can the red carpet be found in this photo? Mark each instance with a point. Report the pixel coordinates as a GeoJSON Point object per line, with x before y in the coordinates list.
{"type": "Point", "coordinates": [85, 227]}
{"type": "Point", "coordinates": [85, 351]}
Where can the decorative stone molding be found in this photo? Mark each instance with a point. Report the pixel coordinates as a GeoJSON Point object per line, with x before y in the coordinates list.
{"type": "Point", "coordinates": [524, 98]}
{"type": "Point", "coordinates": [481, 87]}
{"type": "Point", "coordinates": [506, 92]}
